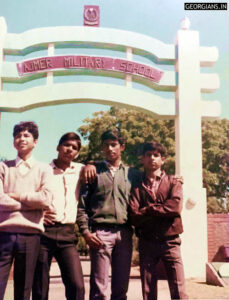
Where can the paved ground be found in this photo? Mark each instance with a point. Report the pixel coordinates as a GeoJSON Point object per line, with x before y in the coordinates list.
{"type": "Point", "coordinates": [196, 288]}
{"type": "Point", "coordinates": [57, 290]}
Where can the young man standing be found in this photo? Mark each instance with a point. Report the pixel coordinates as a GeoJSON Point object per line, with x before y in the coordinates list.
{"type": "Point", "coordinates": [155, 211]}
{"type": "Point", "coordinates": [24, 194]}
{"type": "Point", "coordinates": [103, 220]}
{"type": "Point", "coordinates": [59, 238]}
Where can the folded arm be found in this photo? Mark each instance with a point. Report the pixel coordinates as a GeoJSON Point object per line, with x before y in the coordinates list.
{"type": "Point", "coordinates": [170, 207]}
{"type": "Point", "coordinates": [41, 199]}
{"type": "Point", "coordinates": [7, 203]}
{"type": "Point", "coordinates": [37, 199]}
{"type": "Point", "coordinates": [137, 213]}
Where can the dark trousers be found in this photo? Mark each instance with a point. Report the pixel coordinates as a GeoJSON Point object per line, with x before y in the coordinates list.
{"type": "Point", "coordinates": [22, 249]}
{"type": "Point", "coordinates": [150, 252]}
{"type": "Point", "coordinates": [64, 250]}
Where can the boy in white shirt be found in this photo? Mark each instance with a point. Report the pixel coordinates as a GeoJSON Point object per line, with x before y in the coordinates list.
{"type": "Point", "coordinates": [59, 239]}
{"type": "Point", "coordinates": [24, 194]}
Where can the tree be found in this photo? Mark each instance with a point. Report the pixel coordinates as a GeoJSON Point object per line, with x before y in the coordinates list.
{"type": "Point", "coordinates": [215, 136]}
{"type": "Point", "coordinates": [137, 128]}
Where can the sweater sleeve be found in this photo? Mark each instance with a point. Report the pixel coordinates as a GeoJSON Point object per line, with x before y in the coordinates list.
{"type": "Point", "coordinates": [6, 203]}
{"type": "Point", "coordinates": [43, 197]}
{"type": "Point", "coordinates": [82, 216]}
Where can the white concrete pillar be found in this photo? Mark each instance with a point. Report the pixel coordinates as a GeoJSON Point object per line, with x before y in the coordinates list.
{"type": "Point", "coordinates": [3, 31]}
{"type": "Point", "coordinates": [51, 49]}
{"type": "Point", "coordinates": [189, 153]}
{"type": "Point", "coordinates": [128, 77]}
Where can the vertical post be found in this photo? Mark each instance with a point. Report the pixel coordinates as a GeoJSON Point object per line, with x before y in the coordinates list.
{"type": "Point", "coordinates": [51, 48]}
{"type": "Point", "coordinates": [3, 31]}
{"type": "Point", "coordinates": [129, 56]}
{"type": "Point", "coordinates": [189, 153]}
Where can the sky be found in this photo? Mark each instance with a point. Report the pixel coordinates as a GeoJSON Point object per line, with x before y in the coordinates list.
{"type": "Point", "coordinates": [159, 19]}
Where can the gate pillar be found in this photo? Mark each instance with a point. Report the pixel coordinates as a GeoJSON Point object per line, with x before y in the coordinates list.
{"type": "Point", "coordinates": [189, 152]}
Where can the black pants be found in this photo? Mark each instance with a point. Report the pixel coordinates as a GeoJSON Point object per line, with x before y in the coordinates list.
{"type": "Point", "coordinates": [22, 249]}
{"type": "Point", "coordinates": [68, 260]}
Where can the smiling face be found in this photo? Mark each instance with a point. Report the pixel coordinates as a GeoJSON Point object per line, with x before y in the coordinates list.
{"type": "Point", "coordinates": [112, 150]}
{"type": "Point", "coordinates": [67, 151]}
{"type": "Point", "coordinates": [152, 161]}
{"type": "Point", "coordinates": [24, 143]}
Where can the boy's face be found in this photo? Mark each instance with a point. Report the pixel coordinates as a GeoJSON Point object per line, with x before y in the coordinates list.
{"type": "Point", "coordinates": [68, 151]}
{"type": "Point", "coordinates": [152, 160]}
{"type": "Point", "coordinates": [24, 142]}
{"type": "Point", "coordinates": [112, 150]}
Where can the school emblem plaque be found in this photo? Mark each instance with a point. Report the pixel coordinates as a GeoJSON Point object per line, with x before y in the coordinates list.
{"type": "Point", "coordinates": [91, 15]}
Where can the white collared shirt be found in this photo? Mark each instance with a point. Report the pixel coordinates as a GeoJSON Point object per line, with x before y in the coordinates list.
{"type": "Point", "coordinates": [66, 192]}
{"type": "Point", "coordinates": [24, 165]}
{"type": "Point", "coordinates": [113, 169]}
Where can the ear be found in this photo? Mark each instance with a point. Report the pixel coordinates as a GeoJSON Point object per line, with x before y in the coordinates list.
{"type": "Point", "coordinates": [122, 147]}
{"type": "Point", "coordinates": [35, 141]}
{"type": "Point", "coordinates": [163, 160]}
{"type": "Point", "coordinates": [58, 148]}
{"type": "Point", "coordinates": [76, 155]}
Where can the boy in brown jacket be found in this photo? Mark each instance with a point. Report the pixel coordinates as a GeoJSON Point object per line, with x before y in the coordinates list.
{"type": "Point", "coordinates": [155, 208]}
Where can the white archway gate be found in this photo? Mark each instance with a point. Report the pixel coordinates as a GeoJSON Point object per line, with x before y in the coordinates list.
{"type": "Point", "coordinates": [186, 83]}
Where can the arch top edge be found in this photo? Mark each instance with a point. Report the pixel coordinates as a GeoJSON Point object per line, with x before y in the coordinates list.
{"type": "Point", "coordinates": [85, 30]}
{"type": "Point", "coordinates": [103, 38]}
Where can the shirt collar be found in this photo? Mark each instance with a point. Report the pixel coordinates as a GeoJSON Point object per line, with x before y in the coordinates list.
{"type": "Point", "coordinates": [54, 166]}
{"type": "Point", "coordinates": [158, 178]}
{"type": "Point", "coordinates": [29, 162]}
{"type": "Point", "coordinates": [112, 167]}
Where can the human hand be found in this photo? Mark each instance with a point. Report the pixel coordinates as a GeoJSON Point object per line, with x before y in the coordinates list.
{"type": "Point", "coordinates": [93, 241]}
{"type": "Point", "coordinates": [143, 210]}
{"type": "Point", "coordinates": [88, 174]}
{"type": "Point", "coordinates": [15, 196]}
{"type": "Point", "coordinates": [49, 217]}
{"type": "Point", "coordinates": [179, 178]}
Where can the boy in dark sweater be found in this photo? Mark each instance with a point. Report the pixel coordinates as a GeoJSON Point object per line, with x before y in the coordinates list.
{"type": "Point", "coordinates": [103, 220]}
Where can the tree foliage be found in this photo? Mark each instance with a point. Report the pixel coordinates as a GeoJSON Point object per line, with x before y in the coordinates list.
{"type": "Point", "coordinates": [215, 137]}
{"type": "Point", "coordinates": [215, 141]}
{"type": "Point", "coordinates": [137, 128]}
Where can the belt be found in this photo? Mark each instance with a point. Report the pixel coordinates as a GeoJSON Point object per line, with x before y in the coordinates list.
{"type": "Point", "coordinates": [58, 224]}
{"type": "Point", "coordinates": [160, 239]}
{"type": "Point", "coordinates": [108, 225]}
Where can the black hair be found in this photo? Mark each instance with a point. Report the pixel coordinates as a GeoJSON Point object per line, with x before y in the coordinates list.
{"type": "Point", "coordinates": [70, 136]}
{"type": "Point", "coordinates": [113, 134]}
{"type": "Point", "coordinates": [154, 146]}
{"type": "Point", "coordinates": [29, 126]}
